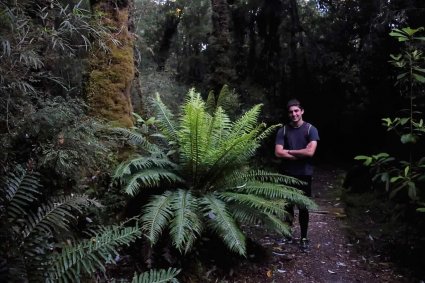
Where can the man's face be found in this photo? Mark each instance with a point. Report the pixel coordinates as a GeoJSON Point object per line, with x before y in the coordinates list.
{"type": "Point", "coordinates": [295, 113]}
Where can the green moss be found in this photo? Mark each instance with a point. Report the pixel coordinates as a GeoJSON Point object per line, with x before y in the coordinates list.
{"type": "Point", "coordinates": [111, 75]}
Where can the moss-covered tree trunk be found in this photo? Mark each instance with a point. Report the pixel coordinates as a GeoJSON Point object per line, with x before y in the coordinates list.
{"type": "Point", "coordinates": [111, 73]}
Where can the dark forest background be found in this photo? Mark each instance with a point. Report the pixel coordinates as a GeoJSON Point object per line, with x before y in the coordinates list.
{"type": "Point", "coordinates": [332, 55]}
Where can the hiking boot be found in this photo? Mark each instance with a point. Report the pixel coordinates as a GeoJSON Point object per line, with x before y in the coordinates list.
{"type": "Point", "coordinates": [304, 245]}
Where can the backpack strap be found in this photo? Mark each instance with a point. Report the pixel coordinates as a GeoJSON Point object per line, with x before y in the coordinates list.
{"type": "Point", "coordinates": [284, 130]}
{"type": "Point", "coordinates": [308, 129]}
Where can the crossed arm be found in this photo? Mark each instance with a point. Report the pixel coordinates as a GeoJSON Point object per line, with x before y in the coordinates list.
{"type": "Point", "coordinates": [294, 154]}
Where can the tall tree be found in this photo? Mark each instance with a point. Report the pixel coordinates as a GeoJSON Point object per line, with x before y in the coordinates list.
{"type": "Point", "coordinates": [111, 73]}
{"type": "Point", "coordinates": [220, 42]}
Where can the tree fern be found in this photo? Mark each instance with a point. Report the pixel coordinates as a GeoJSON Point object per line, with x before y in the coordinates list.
{"type": "Point", "coordinates": [211, 185]}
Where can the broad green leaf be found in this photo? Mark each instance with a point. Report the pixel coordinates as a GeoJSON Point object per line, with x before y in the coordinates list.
{"type": "Point", "coordinates": [395, 179]}
{"type": "Point", "coordinates": [381, 155]}
{"type": "Point", "coordinates": [396, 57]}
{"type": "Point", "coordinates": [412, 190]}
{"type": "Point", "coordinates": [402, 75]}
{"type": "Point", "coordinates": [366, 159]}
{"type": "Point", "coordinates": [408, 138]}
{"type": "Point", "coordinates": [419, 78]}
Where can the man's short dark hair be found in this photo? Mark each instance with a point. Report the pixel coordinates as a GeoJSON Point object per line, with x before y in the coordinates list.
{"type": "Point", "coordinates": [294, 102]}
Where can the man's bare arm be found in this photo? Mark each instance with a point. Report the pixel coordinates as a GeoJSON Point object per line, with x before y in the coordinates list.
{"type": "Point", "coordinates": [308, 151]}
{"type": "Point", "coordinates": [279, 151]}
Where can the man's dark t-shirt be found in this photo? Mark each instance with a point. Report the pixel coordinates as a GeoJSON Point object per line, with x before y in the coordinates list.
{"type": "Point", "coordinates": [297, 138]}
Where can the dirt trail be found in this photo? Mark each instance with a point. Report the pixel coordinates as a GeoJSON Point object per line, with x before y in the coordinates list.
{"type": "Point", "coordinates": [331, 258]}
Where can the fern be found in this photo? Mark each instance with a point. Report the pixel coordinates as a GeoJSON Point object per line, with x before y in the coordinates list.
{"type": "Point", "coordinates": [212, 185]}
{"type": "Point", "coordinates": [220, 221]}
{"type": "Point", "coordinates": [20, 189]}
{"type": "Point", "coordinates": [157, 276]}
{"type": "Point", "coordinates": [29, 239]}
{"type": "Point", "coordinates": [88, 256]}
{"type": "Point", "coordinates": [165, 118]}
{"type": "Point", "coordinates": [156, 216]}
{"type": "Point", "coordinates": [186, 224]}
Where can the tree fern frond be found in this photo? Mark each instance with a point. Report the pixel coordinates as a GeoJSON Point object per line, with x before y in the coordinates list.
{"type": "Point", "coordinates": [266, 189]}
{"type": "Point", "coordinates": [238, 178]}
{"type": "Point", "coordinates": [156, 216]}
{"type": "Point", "coordinates": [56, 213]}
{"type": "Point", "coordinates": [279, 226]}
{"type": "Point", "coordinates": [220, 221]}
{"type": "Point", "coordinates": [267, 131]}
{"type": "Point", "coordinates": [165, 118]}
{"type": "Point", "coordinates": [218, 126]}
{"type": "Point", "coordinates": [246, 123]}
{"type": "Point", "coordinates": [210, 105]}
{"type": "Point", "coordinates": [157, 276]}
{"type": "Point", "coordinates": [261, 204]}
{"type": "Point", "coordinates": [136, 138]}
{"type": "Point", "coordinates": [142, 162]}
{"type": "Point", "coordinates": [150, 178]}
{"type": "Point", "coordinates": [186, 224]}
{"type": "Point", "coordinates": [20, 188]}
{"type": "Point", "coordinates": [90, 255]}
{"type": "Point", "coordinates": [193, 133]}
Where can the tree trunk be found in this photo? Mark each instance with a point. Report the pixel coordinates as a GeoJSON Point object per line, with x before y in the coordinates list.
{"type": "Point", "coordinates": [111, 73]}
{"type": "Point", "coordinates": [220, 43]}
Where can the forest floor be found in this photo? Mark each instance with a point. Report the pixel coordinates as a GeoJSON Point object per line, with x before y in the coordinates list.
{"type": "Point", "coordinates": [331, 257]}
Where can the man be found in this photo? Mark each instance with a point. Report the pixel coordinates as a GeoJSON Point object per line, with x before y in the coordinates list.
{"type": "Point", "coordinates": [296, 143]}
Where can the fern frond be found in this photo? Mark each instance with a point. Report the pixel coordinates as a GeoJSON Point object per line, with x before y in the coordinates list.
{"type": "Point", "coordinates": [56, 213]}
{"type": "Point", "coordinates": [218, 126]}
{"type": "Point", "coordinates": [136, 138]}
{"type": "Point", "coordinates": [220, 221]}
{"type": "Point", "coordinates": [142, 162]}
{"type": "Point", "coordinates": [156, 216]}
{"type": "Point", "coordinates": [186, 224]}
{"type": "Point", "coordinates": [266, 189]}
{"type": "Point", "coordinates": [90, 255]}
{"type": "Point", "coordinates": [210, 105]}
{"type": "Point", "coordinates": [165, 118]}
{"type": "Point", "coordinates": [193, 133]}
{"type": "Point", "coordinates": [259, 203]}
{"type": "Point", "coordinates": [246, 123]}
{"type": "Point", "coordinates": [238, 178]}
{"type": "Point", "coordinates": [277, 224]}
{"type": "Point", "coordinates": [150, 178]}
{"type": "Point", "coordinates": [20, 188]}
{"type": "Point", "coordinates": [157, 276]}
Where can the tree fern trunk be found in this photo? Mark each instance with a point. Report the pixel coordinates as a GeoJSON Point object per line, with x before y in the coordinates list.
{"type": "Point", "coordinates": [111, 73]}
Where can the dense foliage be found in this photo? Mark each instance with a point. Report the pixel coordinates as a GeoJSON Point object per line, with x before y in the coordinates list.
{"type": "Point", "coordinates": [65, 62]}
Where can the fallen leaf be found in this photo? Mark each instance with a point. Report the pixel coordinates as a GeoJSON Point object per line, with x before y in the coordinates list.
{"type": "Point", "coordinates": [269, 273]}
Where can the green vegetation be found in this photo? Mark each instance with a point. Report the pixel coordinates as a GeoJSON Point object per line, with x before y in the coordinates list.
{"type": "Point", "coordinates": [203, 168]}
{"type": "Point", "coordinates": [405, 175]}
{"type": "Point", "coordinates": [70, 70]}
